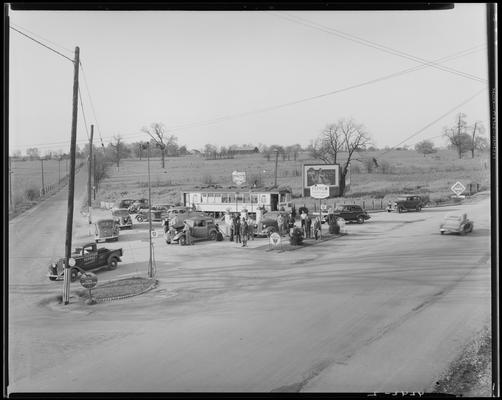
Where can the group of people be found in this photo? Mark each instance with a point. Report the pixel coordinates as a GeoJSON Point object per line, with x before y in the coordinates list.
{"type": "Point", "coordinates": [241, 230]}
{"type": "Point", "coordinates": [311, 228]}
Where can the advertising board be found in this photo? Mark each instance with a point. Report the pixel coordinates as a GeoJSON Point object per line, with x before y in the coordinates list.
{"type": "Point", "coordinates": [321, 174]}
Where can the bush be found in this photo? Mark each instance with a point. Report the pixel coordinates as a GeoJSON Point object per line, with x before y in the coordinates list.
{"type": "Point", "coordinates": [296, 237]}
{"type": "Point", "coordinates": [32, 194]}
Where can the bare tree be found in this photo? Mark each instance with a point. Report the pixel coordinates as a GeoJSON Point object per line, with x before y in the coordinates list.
{"type": "Point", "coordinates": [166, 143]}
{"type": "Point", "coordinates": [119, 149]}
{"type": "Point", "coordinates": [457, 135]}
{"type": "Point", "coordinates": [345, 136]}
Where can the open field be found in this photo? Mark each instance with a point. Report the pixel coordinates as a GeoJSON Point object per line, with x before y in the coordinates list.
{"type": "Point", "coordinates": [403, 171]}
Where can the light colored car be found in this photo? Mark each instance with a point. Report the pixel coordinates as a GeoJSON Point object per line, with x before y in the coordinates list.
{"type": "Point", "coordinates": [122, 217]}
{"type": "Point", "coordinates": [202, 228]}
{"type": "Point", "coordinates": [456, 223]}
{"type": "Point", "coordinates": [107, 229]}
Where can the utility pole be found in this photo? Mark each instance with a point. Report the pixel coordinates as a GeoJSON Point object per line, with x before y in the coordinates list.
{"type": "Point", "coordinates": [150, 265]}
{"type": "Point", "coordinates": [66, 166]}
{"type": "Point", "coordinates": [71, 183]}
{"type": "Point", "coordinates": [43, 185]}
{"type": "Point", "coordinates": [10, 184]}
{"type": "Point", "coordinates": [95, 183]}
{"type": "Point", "coordinates": [90, 170]}
{"type": "Point", "coordinates": [59, 165]}
{"type": "Point", "coordinates": [276, 159]}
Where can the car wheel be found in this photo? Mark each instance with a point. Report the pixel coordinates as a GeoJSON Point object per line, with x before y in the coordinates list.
{"type": "Point", "coordinates": [360, 220]}
{"type": "Point", "coordinates": [442, 232]}
{"type": "Point", "coordinates": [182, 241]}
{"type": "Point", "coordinates": [73, 274]}
{"type": "Point", "coordinates": [212, 235]}
{"type": "Point", "coordinates": [52, 278]}
{"type": "Point", "coordinates": [112, 264]}
{"type": "Point", "coordinates": [399, 210]}
{"type": "Point", "coordinates": [139, 218]}
{"type": "Point", "coordinates": [168, 241]}
{"type": "Point", "coordinates": [419, 208]}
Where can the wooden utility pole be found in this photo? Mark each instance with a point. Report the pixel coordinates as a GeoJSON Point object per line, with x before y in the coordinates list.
{"type": "Point", "coordinates": [71, 182]}
{"type": "Point", "coordinates": [276, 159]}
{"type": "Point", "coordinates": [150, 264]}
{"type": "Point", "coordinates": [43, 184]}
{"type": "Point", "coordinates": [90, 171]}
{"type": "Point", "coordinates": [10, 184]}
{"type": "Point", "coordinates": [474, 138]}
{"type": "Point", "coordinates": [96, 181]}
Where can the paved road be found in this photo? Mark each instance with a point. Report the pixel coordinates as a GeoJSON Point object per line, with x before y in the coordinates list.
{"type": "Point", "coordinates": [384, 308]}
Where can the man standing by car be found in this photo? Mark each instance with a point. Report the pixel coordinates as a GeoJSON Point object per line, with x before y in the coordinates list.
{"type": "Point", "coordinates": [165, 224]}
{"type": "Point", "coordinates": [244, 232]}
{"type": "Point", "coordinates": [188, 233]}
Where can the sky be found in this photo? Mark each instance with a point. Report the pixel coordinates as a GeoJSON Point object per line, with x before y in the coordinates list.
{"type": "Point", "coordinates": [259, 77]}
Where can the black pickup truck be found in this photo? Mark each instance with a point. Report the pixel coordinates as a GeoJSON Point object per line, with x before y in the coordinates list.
{"type": "Point", "coordinates": [87, 258]}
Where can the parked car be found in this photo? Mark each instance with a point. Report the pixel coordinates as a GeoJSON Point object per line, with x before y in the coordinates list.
{"type": "Point", "coordinates": [156, 215]}
{"type": "Point", "coordinates": [122, 218]}
{"type": "Point", "coordinates": [407, 203]}
{"type": "Point", "coordinates": [268, 223]}
{"type": "Point", "coordinates": [138, 205]}
{"type": "Point", "coordinates": [456, 223]}
{"type": "Point", "coordinates": [351, 213]}
{"type": "Point", "coordinates": [203, 228]}
{"type": "Point", "coordinates": [123, 203]}
{"type": "Point", "coordinates": [87, 258]}
{"type": "Point", "coordinates": [106, 229]}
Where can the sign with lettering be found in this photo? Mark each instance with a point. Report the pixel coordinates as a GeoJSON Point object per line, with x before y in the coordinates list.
{"type": "Point", "coordinates": [319, 191]}
{"type": "Point", "coordinates": [275, 239]}
{"type": "Point", "coordinates": [238, 177]}
{"type": "Point", "coordinates": [458, 188]}
{"type": "Point", "coordinates": [88, 280]}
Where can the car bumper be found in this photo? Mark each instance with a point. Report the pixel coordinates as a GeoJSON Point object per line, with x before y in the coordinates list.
{"type": "Point", "coordinates": [104, 239]}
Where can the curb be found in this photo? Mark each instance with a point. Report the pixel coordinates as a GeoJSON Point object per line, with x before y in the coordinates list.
{"type": "Point", "coordinates": [125, 296]}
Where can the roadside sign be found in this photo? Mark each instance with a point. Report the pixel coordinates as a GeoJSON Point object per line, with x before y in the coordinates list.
{"type": "Point", "coordinates": [319, 191]}
{"type": "Point", "coordinates": [71, 262]}
{"type": "Point", "coordinates": [458, 188]}
{"type": "Point", "coordinates": [88, 280]}
{"type": "Point", "coordinates": [154, 234]}
{"type": "Point", "coordinates": [238, 177]}
{"type": "Point", "coordinates": [275, 239]}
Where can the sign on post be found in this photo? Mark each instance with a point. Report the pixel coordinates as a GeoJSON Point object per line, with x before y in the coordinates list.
{"type": "Point", "coordinates": [458, 188]}
{"type": "Point", "coordinates": [89, 280]}
{"type": "Point", "coordinates": [319, 191]}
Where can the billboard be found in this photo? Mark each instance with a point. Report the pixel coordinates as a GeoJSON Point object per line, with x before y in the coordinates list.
{"type": "Point", "coordinates": [321, 174]}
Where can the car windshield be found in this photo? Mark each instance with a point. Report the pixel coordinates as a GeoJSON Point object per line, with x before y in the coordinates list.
{"type": "Point", "coordinates": [120, 213]}
{"type": "Point", "coordinates": [401, 199]}
{"type": "Point", "coordinates": [339, 208]}
{"type": "Point", "coordinates": [106, 224]}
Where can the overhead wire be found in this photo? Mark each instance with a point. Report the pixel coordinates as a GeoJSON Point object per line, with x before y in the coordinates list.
{"type": "Point", "coordinates": [83, 113]}
{"type": "Point", "coordinates": [374, 45]}
{"type": "Point", "coordinates": [434, 121]}
{"type": "Point", "coordinates": [40, 43]}
{"type": "Point", "coordinates": [42, 38]}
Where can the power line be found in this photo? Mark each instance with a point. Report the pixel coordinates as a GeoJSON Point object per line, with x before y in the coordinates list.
{"type": "Point", "coordinates": [83, 113]}
{"type": "Point", "coordinates": [374, 45]}
{"type": "Point", "coordinates": [40, 43]}
{"type": "Point", "coordinates": [435, 120]}
{"type": "Point", "coordinates": [46, 40]}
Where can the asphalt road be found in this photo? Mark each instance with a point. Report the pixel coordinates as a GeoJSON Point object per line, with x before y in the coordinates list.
{"type": "Point", "coordinates": [385, 308]}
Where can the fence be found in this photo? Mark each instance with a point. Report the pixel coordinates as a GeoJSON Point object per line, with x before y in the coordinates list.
{"type": "Point", "coordinates": [54, 187]}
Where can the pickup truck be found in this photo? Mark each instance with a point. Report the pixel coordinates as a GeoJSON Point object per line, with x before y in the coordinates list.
{"type": "Point", "coordinates": [87, 258]}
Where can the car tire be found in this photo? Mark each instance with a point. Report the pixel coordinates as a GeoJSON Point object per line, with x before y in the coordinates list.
{"type": "Point", "coordinates": [112, 263]}
{"type": "Point", "coordinates": [360, 220]}
{"type": "Point", "coordinates": [212, 235]}
{"type": "Point", "coordinates": [400, 210]}
{"type": "Point", "coordinates": [73, 274]}
{"type": "Point", "coordinates": [442, 232]}
{"type": "Point", "coordinates": [139, 218]}
{"type": "Point", "coordinates": [52, 278]}
{"type": "Point", "coordinates": [182, 241]}
{"type": "Point", "coordinates": [419, 208]}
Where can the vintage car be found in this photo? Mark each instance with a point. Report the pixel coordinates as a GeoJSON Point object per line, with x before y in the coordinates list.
{"type": "Point", "coordinates": [406, 203]}
{"type": "Point", "coordinates": [268, 223]}
{"type": "Point", "coordinates": [351, 213]}
{"type": "Point", "coordinates": [122, 217]}
{"type": "Point", "coordinates": [156, 215]}
{"type": "Point", "coordinates": [456, 223]}
{"type": "Point", "coordinates": [87, 258]}
{"type": "Point", "coordinates": [107, 229]}
{"type": "Point", "coordinates": [202, 228]}
{"type": "Point", "coordinates": [123, 203]}
{"type": "Point", "coordinates": [138, 205]}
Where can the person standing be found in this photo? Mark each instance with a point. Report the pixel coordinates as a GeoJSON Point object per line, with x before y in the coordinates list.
{"type": "Point", "coordinates": [317, 227]}
{"type": "Point", "coordinates": [244, 232]}
{"type": "Point", "coordinates": [307, 226]}
{"type": "Point", "coordinates": [280, 224]}
{"type": "Point", "coordinates": [237, 230]}
{"type": "Point", "coordinates": [291, 223]}
{"type": "Point", "coordinates": [165, 224]}
{"type": "Point", "coordinates": [188, 233]}
{"type": "Point", "coordinates": [232, 229]}
{"type": "Point", "coordinates": [250, 228]}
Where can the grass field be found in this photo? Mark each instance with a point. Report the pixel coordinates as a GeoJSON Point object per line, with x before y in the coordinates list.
{"type": "Point", "coordinates": [403, 171]}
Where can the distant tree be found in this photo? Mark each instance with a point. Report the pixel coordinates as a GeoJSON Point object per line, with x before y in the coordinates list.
{"type": "Point", "coordinates": [118, 149]}
{"type": "Point", "coordinates": [183, 151]}
{"type": "Point", "coordinates": [425, 147]}
{"type": "Point", "coordinates": [167, 144]}
{"type": "Point", "coordinates": [16, 154]}
{"type": "Point", "coordinates": [33, 153]}
{"type": "Point", "coordinates": [210, 151]}
{"type": "Point", "coordinates": [344, 136]}
{"type": "Point", "coordinates": [295, 150]}
{"type": "Point", "coordinates": [457, 135]}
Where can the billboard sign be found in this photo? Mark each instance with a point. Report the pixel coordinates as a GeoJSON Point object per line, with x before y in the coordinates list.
{"type": "Point", "coordinates": [238, 177]}
{"type": "Point", "coordinates": [321, 174]}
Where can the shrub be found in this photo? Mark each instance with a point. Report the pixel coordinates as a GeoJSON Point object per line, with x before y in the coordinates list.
{"type": "Point", "coordinates": [32, 193]}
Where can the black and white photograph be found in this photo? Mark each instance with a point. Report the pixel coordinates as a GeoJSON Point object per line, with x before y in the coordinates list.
{"type": "Point", "coordinates": [251, 199]}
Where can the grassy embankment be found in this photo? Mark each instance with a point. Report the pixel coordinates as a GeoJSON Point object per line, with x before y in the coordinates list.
{"type": "Point", "coordinates": [398, 172]}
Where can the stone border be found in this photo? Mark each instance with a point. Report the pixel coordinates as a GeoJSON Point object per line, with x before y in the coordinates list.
{"type": "Point", "coordinates": [125, 296]}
